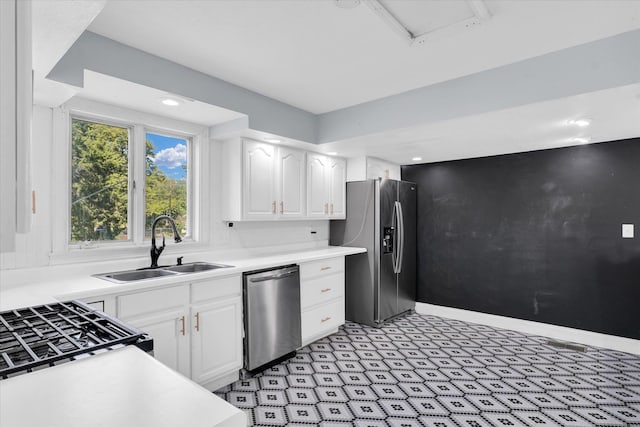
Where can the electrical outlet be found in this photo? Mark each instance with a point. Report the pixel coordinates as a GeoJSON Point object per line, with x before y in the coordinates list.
{"type": "Point", "coordinates": [627, 231]}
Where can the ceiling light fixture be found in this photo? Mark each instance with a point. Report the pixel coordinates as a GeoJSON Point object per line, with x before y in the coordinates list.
{"type": "Point", "coordinates": [580, 140]}
{"type": "Point", "coordinates": [416, 159]}
{"type": "Point", "coordinates": [579, 122]}
{"type": "Point", "coordinates": [273, 140]}
{"type": "Point", "coordinates": [170, 102]}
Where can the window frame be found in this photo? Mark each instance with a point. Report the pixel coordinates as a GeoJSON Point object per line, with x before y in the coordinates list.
{"type": "Point", "coordinates": [139, 123]}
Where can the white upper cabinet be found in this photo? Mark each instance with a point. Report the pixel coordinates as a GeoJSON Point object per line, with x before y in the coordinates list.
{"type": "Point", "coordinates": [268, 182]}
{"type": "Point", "coordinates": [291, 183]}
{"type": "Point", "coordinates": [337, 188]}
{"type": "Point", "coordinates": [326, 178]}
{"type": "Point", "coordinates": [317, 200]}
{"type": "Point", "coordinates": [15, 120]}
{"type": "Point", "coordinates": [259, 198]}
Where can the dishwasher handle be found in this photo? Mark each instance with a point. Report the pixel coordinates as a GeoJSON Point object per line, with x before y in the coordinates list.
{"type": "Point", "coordinates": [275, 275]}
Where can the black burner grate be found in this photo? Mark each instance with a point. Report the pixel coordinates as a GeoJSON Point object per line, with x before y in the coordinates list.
{"type": "Point", "coordinates": [42, 335]}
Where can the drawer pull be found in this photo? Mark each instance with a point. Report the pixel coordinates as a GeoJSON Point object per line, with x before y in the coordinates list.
{"type": "Point", "coordinates": [198, 321]}
{"type": "Point", "coordinates": [182, 331]}
{"type": "Point", "coordinates": [325, 290]}
{"type": "Point", "coordinates": [325, 268]}
{"type": "Point", "coordinates": [325, 319]}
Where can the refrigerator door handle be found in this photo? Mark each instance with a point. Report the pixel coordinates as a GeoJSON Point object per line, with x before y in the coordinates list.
{"type": "Point", "coordinates": [397, 221]}
{"type": "Point", "coordinates": [401, 239]}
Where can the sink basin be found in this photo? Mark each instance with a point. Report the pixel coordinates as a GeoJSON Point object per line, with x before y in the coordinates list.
{"type": "Point", "coordinates": [194, 267]}
{"type": "Point", "coordinates": [133, 275]}
{"type": "Point", "coordinates": [130, 276]}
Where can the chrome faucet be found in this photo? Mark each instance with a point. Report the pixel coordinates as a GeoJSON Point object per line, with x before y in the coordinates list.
{"type": "Point", "coordinates": [156, 251]}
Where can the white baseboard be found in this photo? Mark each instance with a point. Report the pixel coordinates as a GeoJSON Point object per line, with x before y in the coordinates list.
{"type": "Point", "coordinates": [595, 339]}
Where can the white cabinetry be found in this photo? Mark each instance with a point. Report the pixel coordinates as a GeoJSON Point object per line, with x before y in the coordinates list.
{"type": "Point", "coordinates": [15, 120]}
{"type": "Point", "coordinates": [163, 314]}
{"type": "Point", "coordinates": [326, 178]}
{"type": "Point", "coordinates": [321, 298]}
{"type": "Point", "coordinates": [216, 331]}
{"type": "Point", "coordinates": [262, 181]}
{"type": "Point", "coordinates": [196, 328]}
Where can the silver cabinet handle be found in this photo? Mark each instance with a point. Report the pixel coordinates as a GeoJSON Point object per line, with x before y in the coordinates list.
{"type": "Point", "coordinates": [198, 322]}
{"type": "Point", "coordinates": [325, 290]}
{"type": "Point", "coordinates": [325, 319]}
{"type": "Point", "coordinates": [325, 268]}
{"type": "Point", "coordinates": [182, 331]}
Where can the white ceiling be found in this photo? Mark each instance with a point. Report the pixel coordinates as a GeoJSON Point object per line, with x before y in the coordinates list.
{"type": "Point", "coordinates": [614, 115]}
{"type": "Point", "coordinates": [318, 57]}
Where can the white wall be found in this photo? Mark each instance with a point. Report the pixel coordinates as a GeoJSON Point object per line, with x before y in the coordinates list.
{"type": "Point", "coordinates": [33, 249]}
{"type": "Point", "coordinates": [361, 168]}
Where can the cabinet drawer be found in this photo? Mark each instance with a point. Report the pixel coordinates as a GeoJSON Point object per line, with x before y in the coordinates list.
{"type": "Point", "coordinates": [321, 267]}
{"type": "Point", "coordinates": [322, 319]}
{"type": "Point", "coordinates": [142, 303]}
{"type": "Point", "coordinates": [216, 288]}
{"type": "Point", "coordinates": [321, 289]}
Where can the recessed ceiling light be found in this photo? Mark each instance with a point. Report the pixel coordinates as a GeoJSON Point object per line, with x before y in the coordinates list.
{"type": "Point", "coordinates": [579, 122]}
{"type": "Point", "coordinates": [580, 140]}
{"type": "Point", "coordinates": [170, 102]}
{"type": "Point", "coordinates": [332, 153]}
{"type": "Point", "coordinates": [416, 159]}
{"type": "Point", "coordinates": [273, 140]}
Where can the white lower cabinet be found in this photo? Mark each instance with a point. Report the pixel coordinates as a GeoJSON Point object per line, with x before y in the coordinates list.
{"type": "Point", "coordinates": [196, 327]}
{"type": "Point", "coordinates": [216, 332]}
{"type": "Point", "coordinates": [321, 298]}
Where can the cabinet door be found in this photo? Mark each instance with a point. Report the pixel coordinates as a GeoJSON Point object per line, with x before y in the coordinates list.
{"type": "Point", "coordinates": [317, 197]}
{"type": "Point", "coordinates": [291, 183]}
{"type": "Point", "coordinates": [216, 338]}
{"type": "Point", "coordinates": [259, 199]}
{"type": "Point", "coordinates": [337, 184]}
{"type": "Point", "coordinates": [163, 314]}
{"type": "Point", "coordinates": [170, 333]}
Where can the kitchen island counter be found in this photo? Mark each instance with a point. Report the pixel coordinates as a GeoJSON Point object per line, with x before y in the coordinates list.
{"type": "Point", "coordinates": [122, 387]}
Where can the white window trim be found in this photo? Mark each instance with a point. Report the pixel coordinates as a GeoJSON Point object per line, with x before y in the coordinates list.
{"type": "Point", "coordinates": [62, 252]}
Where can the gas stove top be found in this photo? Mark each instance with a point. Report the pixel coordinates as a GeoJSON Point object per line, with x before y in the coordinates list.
{"type": "Point", "coordinates": [36, 337]}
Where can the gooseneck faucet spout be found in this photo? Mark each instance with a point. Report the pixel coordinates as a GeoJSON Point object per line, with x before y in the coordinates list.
{"type": "Point", "coordinates": [156, 251]}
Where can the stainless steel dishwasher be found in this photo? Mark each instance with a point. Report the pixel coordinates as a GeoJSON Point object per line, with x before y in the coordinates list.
{"type": "Point", "coordinates": [271, 315]}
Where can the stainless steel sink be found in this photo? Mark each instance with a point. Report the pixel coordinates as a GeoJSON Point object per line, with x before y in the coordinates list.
{"type": "Point", "coordinates": [194, 267]}
{"type": "Point", "coordinates": [130, 276]}
{"type": "Point", "coordinates": [176, 270]}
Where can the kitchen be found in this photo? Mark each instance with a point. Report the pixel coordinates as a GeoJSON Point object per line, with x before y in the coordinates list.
{"type": "Point", "coordinates": [533, 233]}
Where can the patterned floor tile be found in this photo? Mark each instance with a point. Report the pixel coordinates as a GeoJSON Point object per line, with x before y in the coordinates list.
{"type": "Point", "coordinates": [501, 419]}
{"type": "Point", "coordinates": [535, 419]}
{"type": "Point", "coordinates": [486, 403]}
{"type": "Point", "coordinates": [303, 414]}
{"type": "Point", "coordinates": [428, 371]}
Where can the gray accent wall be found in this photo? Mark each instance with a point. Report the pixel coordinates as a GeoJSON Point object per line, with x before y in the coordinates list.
{"type": "Point", "coordinates": [535, 236]}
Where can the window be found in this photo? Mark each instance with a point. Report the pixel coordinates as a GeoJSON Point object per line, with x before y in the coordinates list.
{"type": "Point", "coordinates": [166, 182]}
{"type": "Point", "coordinates": [99, 181]}
{"type": "Point", "coordinates": [107, 202]}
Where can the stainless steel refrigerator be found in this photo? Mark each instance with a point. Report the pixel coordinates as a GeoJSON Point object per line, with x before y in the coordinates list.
{"type": "Point", "coordinates": [381, 216]}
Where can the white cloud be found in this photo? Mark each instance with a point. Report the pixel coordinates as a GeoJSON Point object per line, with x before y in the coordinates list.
{"type": "Point", "coordinates": [173, 157]}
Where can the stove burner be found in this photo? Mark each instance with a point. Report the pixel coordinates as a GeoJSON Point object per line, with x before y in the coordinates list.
{"type": "Point", "coordinates": [43, 335]}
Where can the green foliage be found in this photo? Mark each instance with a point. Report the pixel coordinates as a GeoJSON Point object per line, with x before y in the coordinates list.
{"type": "Point", "coordinates": [99, 190]}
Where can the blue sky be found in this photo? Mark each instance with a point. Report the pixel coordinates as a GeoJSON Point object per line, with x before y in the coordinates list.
{"type": "Point", "coordinates": [170, 154]}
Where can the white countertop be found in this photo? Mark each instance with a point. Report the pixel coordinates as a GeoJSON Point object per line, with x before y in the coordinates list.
{"type": "Point", "coordinates": [119, 388]}
{"type": "Point", "coordinates": [59, 283]}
